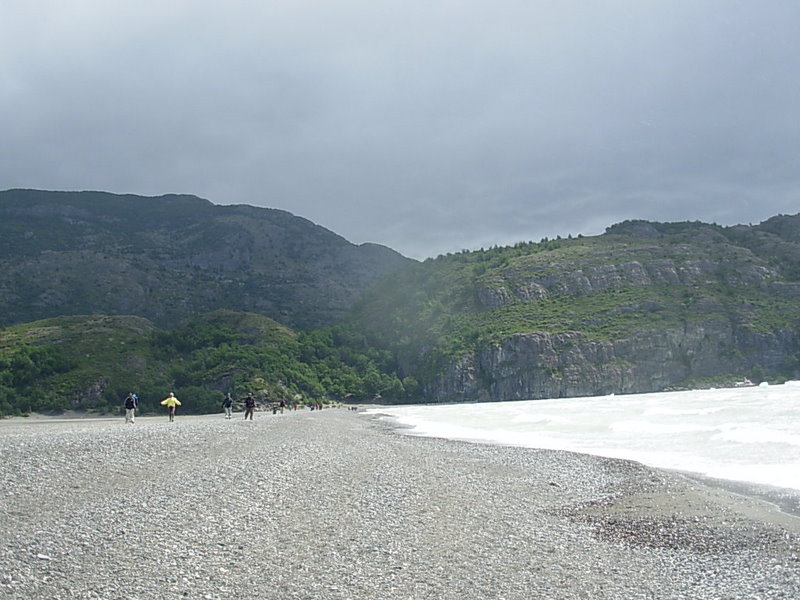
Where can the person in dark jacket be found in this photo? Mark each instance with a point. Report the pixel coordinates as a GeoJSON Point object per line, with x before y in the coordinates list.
{"type": "Point", "coordinates": [249, 406]}
{"type": "Point", "coordinates": [227, 404]}
{"type": "Point", "coordinates": [130, 408]}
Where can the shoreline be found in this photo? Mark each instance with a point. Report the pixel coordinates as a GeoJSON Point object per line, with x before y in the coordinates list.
{"type": "Point", "coordinates": [785, 500]}
{"type": "Point", "coordinates": [337, 504]}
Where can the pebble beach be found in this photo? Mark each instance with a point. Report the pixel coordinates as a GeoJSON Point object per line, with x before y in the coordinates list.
{"type": "Point", "coordinates": [336, 504]}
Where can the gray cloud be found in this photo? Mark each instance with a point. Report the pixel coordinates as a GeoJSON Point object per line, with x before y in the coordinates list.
{"type": "Point", "coordinates": [429, 127]}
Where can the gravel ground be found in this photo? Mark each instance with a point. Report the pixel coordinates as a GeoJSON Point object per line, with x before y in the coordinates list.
{"type": "Point", "coordinates": [335, 504]}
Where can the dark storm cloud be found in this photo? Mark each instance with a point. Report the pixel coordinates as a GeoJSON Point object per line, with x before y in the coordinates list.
{"type": "Point", "coordinates": [426, 126]}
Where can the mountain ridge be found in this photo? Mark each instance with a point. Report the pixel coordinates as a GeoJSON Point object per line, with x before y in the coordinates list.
{"type": "Point", "coordinates": [645, 306]}
{"type": "Point", "coordinates": [164, 257]}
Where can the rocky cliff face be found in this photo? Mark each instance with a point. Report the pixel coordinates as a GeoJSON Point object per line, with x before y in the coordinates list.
{"type": "Point", "coordinates": [576, 279]}
{"type": "Point", "coordinates": [541, 365]}
{"type": "Point", "coordinates": [648, 307]}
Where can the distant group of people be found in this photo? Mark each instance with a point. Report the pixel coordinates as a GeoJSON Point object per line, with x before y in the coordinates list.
{"type": "Point", "coordinates": [171, 402]}
{"type": "Point", "coordinates": [250, 406]}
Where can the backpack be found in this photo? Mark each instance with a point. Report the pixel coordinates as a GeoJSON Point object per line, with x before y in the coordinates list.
{"type": "Point", "coordinates": [130, 403]}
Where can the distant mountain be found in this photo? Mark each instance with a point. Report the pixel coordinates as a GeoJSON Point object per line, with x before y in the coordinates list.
{"type": "Point", "coordinates": [170, 257]}
{"type": "Point", "coordinates": [644, 307]}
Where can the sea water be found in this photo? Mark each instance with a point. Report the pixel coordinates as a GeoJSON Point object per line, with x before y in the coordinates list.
{"type": "Point", "coordinates": [748, 434]}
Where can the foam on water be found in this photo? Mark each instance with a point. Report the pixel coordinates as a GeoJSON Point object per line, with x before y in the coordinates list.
{"type": "Point", "coordinates": [740, 434]}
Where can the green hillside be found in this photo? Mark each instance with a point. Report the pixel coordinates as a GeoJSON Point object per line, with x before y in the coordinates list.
{"type": "Point", "coordinates": [91, 363]}
{"type": "Point", "coordinates": [643, 307]}
{"type": "Point", "coordinates": [75, 362]}
{"type": "Point", "coordinates": [634, 281]}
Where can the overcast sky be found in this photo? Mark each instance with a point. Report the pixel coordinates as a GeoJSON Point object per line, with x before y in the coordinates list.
{"type": "Point", "coordinates": [427, 126]}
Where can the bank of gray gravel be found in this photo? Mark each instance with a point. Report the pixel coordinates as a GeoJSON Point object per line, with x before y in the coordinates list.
{"type": "Point", "coordinates": [335, 504]}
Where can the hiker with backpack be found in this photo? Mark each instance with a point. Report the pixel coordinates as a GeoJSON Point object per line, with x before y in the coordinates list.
{"type": "Point", "coordinates": [131, 404]}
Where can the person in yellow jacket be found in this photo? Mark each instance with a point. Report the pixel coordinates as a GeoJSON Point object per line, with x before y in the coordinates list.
{"type": "Point", "coordinates": [171, 402]}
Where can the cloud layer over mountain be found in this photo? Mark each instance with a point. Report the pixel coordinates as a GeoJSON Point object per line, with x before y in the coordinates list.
{"type": "Point", "coordinates": [426, 126]}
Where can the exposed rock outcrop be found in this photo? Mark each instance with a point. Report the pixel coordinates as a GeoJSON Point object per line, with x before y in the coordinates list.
{"type": "Point", "coordinates": [541, 365]}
